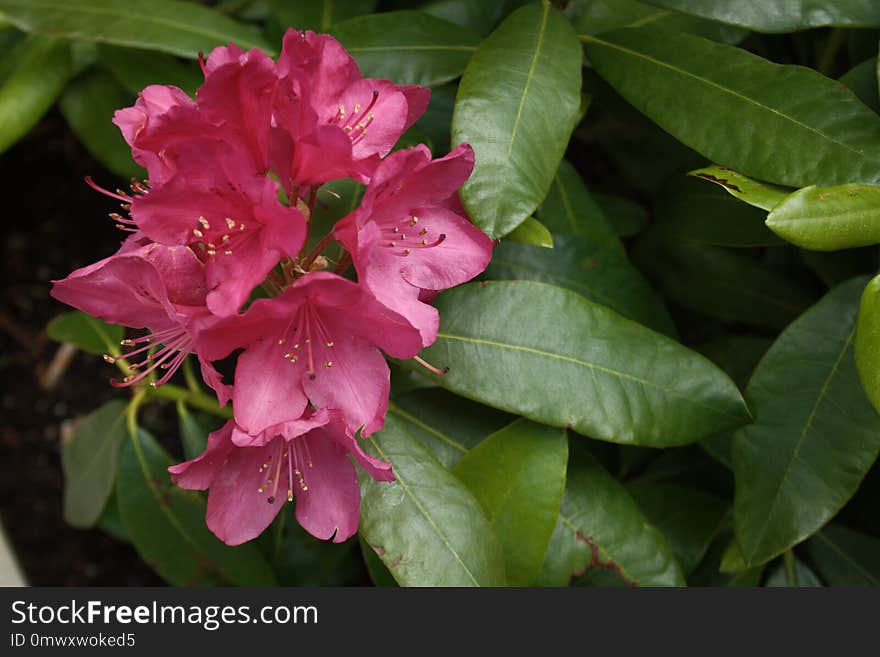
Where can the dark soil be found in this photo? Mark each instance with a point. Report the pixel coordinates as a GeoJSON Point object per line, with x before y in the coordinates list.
{"type": "Point", "coordinates": [53, 224]}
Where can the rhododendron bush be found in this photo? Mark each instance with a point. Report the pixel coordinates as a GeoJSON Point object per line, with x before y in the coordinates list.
{"type": "Point", "coordinates": [474, 293]}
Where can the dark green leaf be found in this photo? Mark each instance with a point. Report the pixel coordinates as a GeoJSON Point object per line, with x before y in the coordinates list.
{"type": "Point", "coordinates": [600, 274]}
{"type": "Point", "coordinates": [378, 572]}
{"type": "Point", "coordinates": [448, 425]}
{"type": "Point", "coordinates": [605, 15]}
{"type": "Point", "coordinates": [867, 342]}
{"type": "Point", "coordinates": [754, 192]}
{"type": "Point", "coordinates": [300, 559]}
{"type": "Point", "coordinates": [742, 111]}
{"type": "Point", "coordinates": [517, 104]}
{"type": "Point", "coordinates": [318, 15]}
{"type": "Point", "coordinates": [111, 521]}
{"type": "Point", "coordinates": [862, 79]}
{"type": "Point", "coordinates": [193, 431]}
{"type": "Point", "coordinates": [697, 213]}
{"type": "Point", "coordinates": [687, 517]}
{"type": "Point", "coordinates": [88, 105]}
{"type": "Point", "coordinates": [721, 283]}
{"type": "Point", "coordinates": [89, 463]}
{"type": "Point", "coordinates": [829, 218]}
{"type": "Point", "coordinates": [846, 558]}
{"type": "Point", "coordinates": [625, 216]}
{"type": "Point", "coordinates": [518, 475]}
{"type": "Point", "coordinates": [409, 47]}
{"type": "Point", "coordinates": [793, 574]}
{"type": "Point", "coordinates": [814, 437]}
{"type": "Point", "coordinates": [600, 526]}
{"type": "Point", "coordinates": [601, 374]}
{"type": "Point", "coordinates": [31, 86]}
{"type": "Point", "coordinates": [167, 524]}
{"type": "Point", "coordinates": [786, 16]}
{"type": "Point", "coordinates": [425, 526]}
{"type": "Point", "coordinates": [134, 70]}
{"type": "Point", "coordinates": [86, 332]}
{"type": "Point", "coordinates": [181, 28]}
{"type": "Point", "coordinates": [436, 120]}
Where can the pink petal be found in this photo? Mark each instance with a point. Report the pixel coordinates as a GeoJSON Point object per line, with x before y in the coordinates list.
{"type": "Point", "coordinates": [417, 99]}
{"type": "Point", "coordinates": [376, 468]}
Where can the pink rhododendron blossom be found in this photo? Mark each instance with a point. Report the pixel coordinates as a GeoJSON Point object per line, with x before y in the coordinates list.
{"type": "Point", "coordinates": [155, 287]}
{"type": "Point", "coordinates": [318, 342]}
{"type": "Point", "coordinates": [409, 235]}
{"type": "Point", "coordinates": [248, 486]}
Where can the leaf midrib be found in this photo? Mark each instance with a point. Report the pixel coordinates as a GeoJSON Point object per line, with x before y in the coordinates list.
{"type": "Point", "coordinates": [850, 560]}
{"type": "Point", "coordinates": [405, 415]}
{"type": "Point", "coordinates": [591, 366]}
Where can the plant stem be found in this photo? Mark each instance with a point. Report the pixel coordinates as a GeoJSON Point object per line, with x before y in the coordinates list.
{"type": "Point", "coordinates": [828, 55]}
{"type": "Point", "coordinates": [194, 398]}
{"type": "Point", "coordinates": [790, 575]}
{"type": "Point", "coordinates": [322, 244]}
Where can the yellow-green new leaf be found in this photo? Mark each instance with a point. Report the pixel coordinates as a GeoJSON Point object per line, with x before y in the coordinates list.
{"type": "Point", "coordinates": [867, 343]}
{"type": "Point", "coordinates": [754, 192]}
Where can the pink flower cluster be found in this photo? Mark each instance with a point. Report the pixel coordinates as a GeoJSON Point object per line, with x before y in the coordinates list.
{"type": "Point", "coordinates": [233, 178]}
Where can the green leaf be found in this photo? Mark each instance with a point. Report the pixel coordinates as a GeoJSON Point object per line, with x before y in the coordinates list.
{"type": "Point", "coordinates": [436, 120]}
{"type": "Point", "coordinates": [134, 71]}
{"type": "Point", "coordinates": [862, 79]}
{"type": "Point", "coordinates": [378, 572]}
{"type": "Point", "coordinates": [687, 517]}
{"type": "Point", "coordinates": [180, 28]}
{"type": "Point", "coordinates": [754, 192]}
{"type": "Point", "coordinates": [570, 209]}
{"type": "Point", "coordinates": [318, 15]}
{"type": "Point", "coordinates": [425, 526]}
{"type": "Point", "coordinates": [794, 574]}
{"type": "Point", "coordinates": [814, 437]}
{"type": "Point", "coordinates": [448, 425]}
{"type": "Point", "coordinates": [477, 15]}
{"type": "Point", "coordinates": [86, 332]}
{"type": "Point", "coordinates": [696, 213]}
{"type": "Point", "coordinates": [714, 98]}
{"type": "Point", "coordinates": [517, 105]}
{"type": "Point", "coordinates": [532, 232]}
{"type": "Point", "coordinates": [829, 218]}
{"type": "Point", "coordinates": [167, 524]}
{"type": "Point", "coordinates": [193, 432]}
{"type": "Point", "coordinates": [626, 216]}
{"type": "Point", "coordinates": [409, 47]}
{"type": "Point", "coordinates": [602, 275]}
{"type": "Point", "coordinates": [844, 557]}
{"type": "Point", "coordinates": [787, 16]}
{"type": "Point", "coordinates": [601, 374]}
{"type": "Point", "coordinates": [89, 463]}
{"type": "Point", "coordinates": [111, 522]}
{"type": "Point", "coordinates": [867, 342]}
{"type": "Point", "coordinates": [300, 559]}
{"type": "Point", "coordinates": [600, 526]}
{"type": "Point", "coordinates": [732, 561]}
{"type": "Point", "coordinates": [728, 285]}
{"type": "Point", "coordinates": [88, 105]}
{"type": "Point", "coordinates": [601, 16]}
{"type": "Point", "coordinates": [518, 475]}
{"type": "Point", "coordinates": [31, 87]}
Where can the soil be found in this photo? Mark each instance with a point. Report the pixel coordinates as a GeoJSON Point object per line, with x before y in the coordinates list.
{"type": "Point", "coordinates": [53, 224]}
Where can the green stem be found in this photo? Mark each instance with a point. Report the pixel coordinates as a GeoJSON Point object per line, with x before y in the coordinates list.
{"type": "Point", "coordinates": [829, 53]}
{"type": "Point", "coordinates": [790, 575]}
{"type": "Point", "coordinates": [194, 398]}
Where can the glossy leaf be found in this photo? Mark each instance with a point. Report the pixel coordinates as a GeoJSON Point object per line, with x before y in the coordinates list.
{"type": "Point", "coordinates": [814, 437]}
{"type": "Point", "coordinates": [517, 476]}
{"type": "Point", "coordinates": [787, 16]}
{"type": "Point", "coordinates": [845, 557]}
{"type": "Point", "coordinates": [754, 192]}
{"type": "Point", "coordinates": [86, 332]}
{"type": "Point", "coordinates": [477, 15]}
{"type": "Point", "coordinates": [694, 212]}
{"type": "Point", "coordinates": [318, 15]}
{"type": "Point", "coordinates": [829, 218]}
{"type": "Point", "coordinates": [862, 79]}
{"type": "Point", "coordinates": [742, 111]}
{"type": "Point", "coordinates": [600, 526]}
{"type": "Point", "coordinates": [600, 274]}
{"type": "Point", "coordinates": [725, 284]}
{"type": "Point", "coordinates": [167, 524]}
{"type": "Point", "coordinates": [601, 16]}
{"type": "Point", "coordinates": [32, 86]}
{"type": "Point", "coordinates": [180, 28]}
{"type": "Point", "coordinates": [602, 375]}
{"type": "Point", "coordinates": [867, 342]}
{"type": "Point", "coordinates": [570, 209]}
{"type": "Point", "coordinates": [89, 463]}
{"type": "Point", "coordinates": [409, 47]}
{"type": "Point", "coordinates": [448, 425]}
{"type": "Point", "coordinates": [88, 105]}
{"type": "Point", "coordinates": [426, 527]}
{"type": "Point", "coordinates": [526, 79]}
{"type": "Point", "coordinates": [688, 518]}
{"type": "Point", "coordinates": [532, 232]}
{"type": "Point", "coordinates": [134, 71]}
